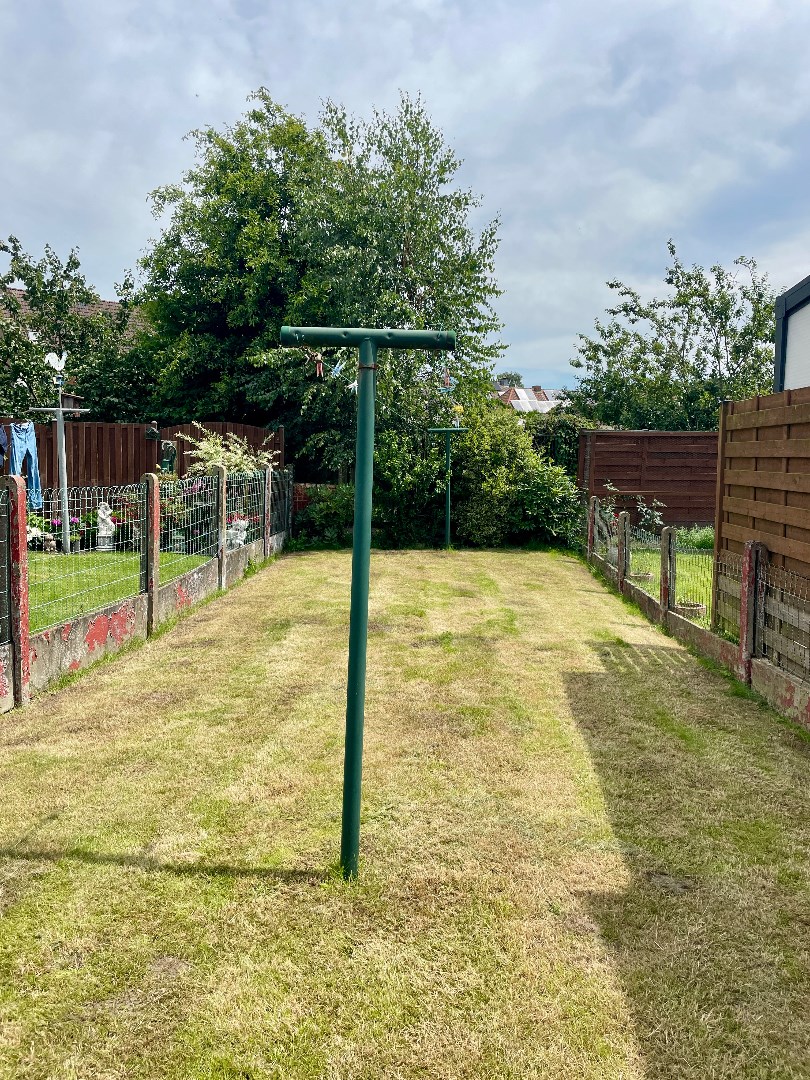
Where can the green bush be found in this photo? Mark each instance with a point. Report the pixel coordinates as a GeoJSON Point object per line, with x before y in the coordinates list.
{"type": "Point", "coordinates": [408, 489]}
{"type": "Point", "coordinates": [326, 520]}
{"type": "Point", "coordinates": [503, 491]}
{"type": "Point", "coordinates": [555, 435]}
{"type": "Point", "coordinates": [699, 536]}
{"type": "Point", "coordinates": [507, 493]}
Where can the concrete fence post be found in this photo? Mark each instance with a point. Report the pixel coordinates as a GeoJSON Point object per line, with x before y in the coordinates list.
{"type": "Point", "coordinates": [221, 474]}
{"type": "Point", "coordinates": [593, 510]}
{"type": "Point", "coordinates": [150, 551]}
{"type": "Point", "coordinates": [268, 509]}
{"type": "Point", "coordinates": [18, 566]}
{"type": "Point", "coordinates": [754, 554]}
{"type": "Point", "coordinates": [666, 597]}
{"type": "Point", "coordinates": [623, 557]}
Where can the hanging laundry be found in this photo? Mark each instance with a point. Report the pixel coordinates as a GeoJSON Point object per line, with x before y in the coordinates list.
{"type": "Point", "coordinates": [24, 447]}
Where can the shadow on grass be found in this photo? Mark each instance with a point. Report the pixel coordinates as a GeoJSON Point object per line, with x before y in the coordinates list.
{"type": "Point", "coordinates": [702, 794]}
{"type": "Point", "coordinates": [144, 862]}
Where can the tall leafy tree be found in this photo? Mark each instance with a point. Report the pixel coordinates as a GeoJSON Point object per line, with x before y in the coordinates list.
{"type": "Point", "coordinates": [59, 312]}
{"type": "Point", "coordinates": [667, 363]}
{"type": "Point", "coordinates": [219, 276]}
{"type": "Point", "coordinates": [347, 223]}
{"type": "Point", "coordinates": [510, 378]}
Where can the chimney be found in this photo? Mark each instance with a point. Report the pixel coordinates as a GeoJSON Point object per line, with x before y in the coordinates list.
{"type": "Point", "coordinates": [540, 393]}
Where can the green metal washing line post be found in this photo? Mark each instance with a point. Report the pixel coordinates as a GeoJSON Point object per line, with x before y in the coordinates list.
{"type": "Point", "coordinates": [368, 342]}
{"type": "Point", "coordinates": [448, 433]}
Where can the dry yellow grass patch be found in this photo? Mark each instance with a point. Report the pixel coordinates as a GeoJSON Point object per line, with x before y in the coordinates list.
{"type": "Point", "coordinates": [583, 854]}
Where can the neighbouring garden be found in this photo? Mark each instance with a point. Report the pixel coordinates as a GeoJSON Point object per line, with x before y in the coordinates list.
{"type": "Point", "coordinates": [106, 562]}
{"type": "Point", "coordinates": [62, 587]}
{"type": "Point", "coordinates": [694, 550]}
{"type": "Point", "coordinates": [584, 853]}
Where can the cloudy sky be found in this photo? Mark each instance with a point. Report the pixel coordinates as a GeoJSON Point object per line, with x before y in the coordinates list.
{"type": "Point", "coordinates": [596, 129]}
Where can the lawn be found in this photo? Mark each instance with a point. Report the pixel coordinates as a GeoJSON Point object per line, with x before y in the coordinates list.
{"type": "Point", "coordinates": [64, 586]}
{"type": "Point", "coordinates": [584, 854]}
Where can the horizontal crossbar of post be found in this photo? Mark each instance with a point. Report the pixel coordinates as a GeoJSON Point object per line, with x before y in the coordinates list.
{"type": "Point", "coordinates": [336, 336]}
{"type": "Point", "coordinates": [447, 430]}
{"type": "Point", "coordinates": [58, 409]}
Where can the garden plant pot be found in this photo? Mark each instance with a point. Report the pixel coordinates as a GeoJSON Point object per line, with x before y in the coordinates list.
{"type": "Point", "coordinates": [690, 609]}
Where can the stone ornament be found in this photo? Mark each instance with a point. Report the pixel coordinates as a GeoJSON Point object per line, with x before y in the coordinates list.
{"type": "Point", "coordinates": [106, 528]}
{"type": "Point", "coordinates": [236, 534]}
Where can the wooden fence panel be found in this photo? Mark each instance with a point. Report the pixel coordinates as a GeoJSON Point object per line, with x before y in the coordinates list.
{"type": "Point", "coordinates": [100, 454]}
{"type": "Point", "coordinates": [677, 467]}
{"type": "Point", "coordinates": [763, 489]}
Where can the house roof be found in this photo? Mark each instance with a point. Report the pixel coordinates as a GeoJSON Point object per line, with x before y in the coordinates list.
{"type": "Point", "coordinates": [529, 399]}
{"type": "Point", "coordinates": [136, 321]}
{"type": "Point", "coordinates": [108, 307]}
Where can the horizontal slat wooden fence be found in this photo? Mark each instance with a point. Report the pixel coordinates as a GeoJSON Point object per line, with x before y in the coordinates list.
{"type": "Point", "coordinates": [679, 468]}
{"type": "Point", "coordinates": [100, 454]}
{"type": "Point", "coordinates": [763, 482]}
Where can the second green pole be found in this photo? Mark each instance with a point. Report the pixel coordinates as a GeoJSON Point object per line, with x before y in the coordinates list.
{"type": "Point", "coordinates": [447, 489]}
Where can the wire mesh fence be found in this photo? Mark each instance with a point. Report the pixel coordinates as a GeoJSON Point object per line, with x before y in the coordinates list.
{"type": "Point", "coordinates": [782, 632]}
{"type": "Point", "coordinates": [188, 525]}
{"type": "Point", "coordinates": [104, 560]}
{"type": "Point", "coordinates": [644, 560]}
{"type": "Point", "coordinates": [728, 573]}
{"type": "Point", "coordinates": [244, 518]}
{"type": "Point", "coordinates": [606, 536]}
{"type": "Point", "coordinates": [5, 570]}
{"type": "Point", "coordinates": [280, 500]}
{"type": "Point", "coordinates": [692, 596]}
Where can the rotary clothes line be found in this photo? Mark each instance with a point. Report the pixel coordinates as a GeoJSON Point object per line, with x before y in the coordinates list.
{"type": "Point", "coordinates": [58, 413]}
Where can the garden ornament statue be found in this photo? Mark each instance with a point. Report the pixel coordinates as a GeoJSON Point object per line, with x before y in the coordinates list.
{"type": "Point", "coordinates": [368, 342]}
{"type": "Point", "coordinates": [168, 456]}
{"type": "Point", "coordinates": [106, 528]}
{"type": "Point", "coordinates": [236, 534]}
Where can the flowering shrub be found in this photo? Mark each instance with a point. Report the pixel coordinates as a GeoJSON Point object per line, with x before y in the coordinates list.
{"type": "Point", "coordinates": [236, 454]}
